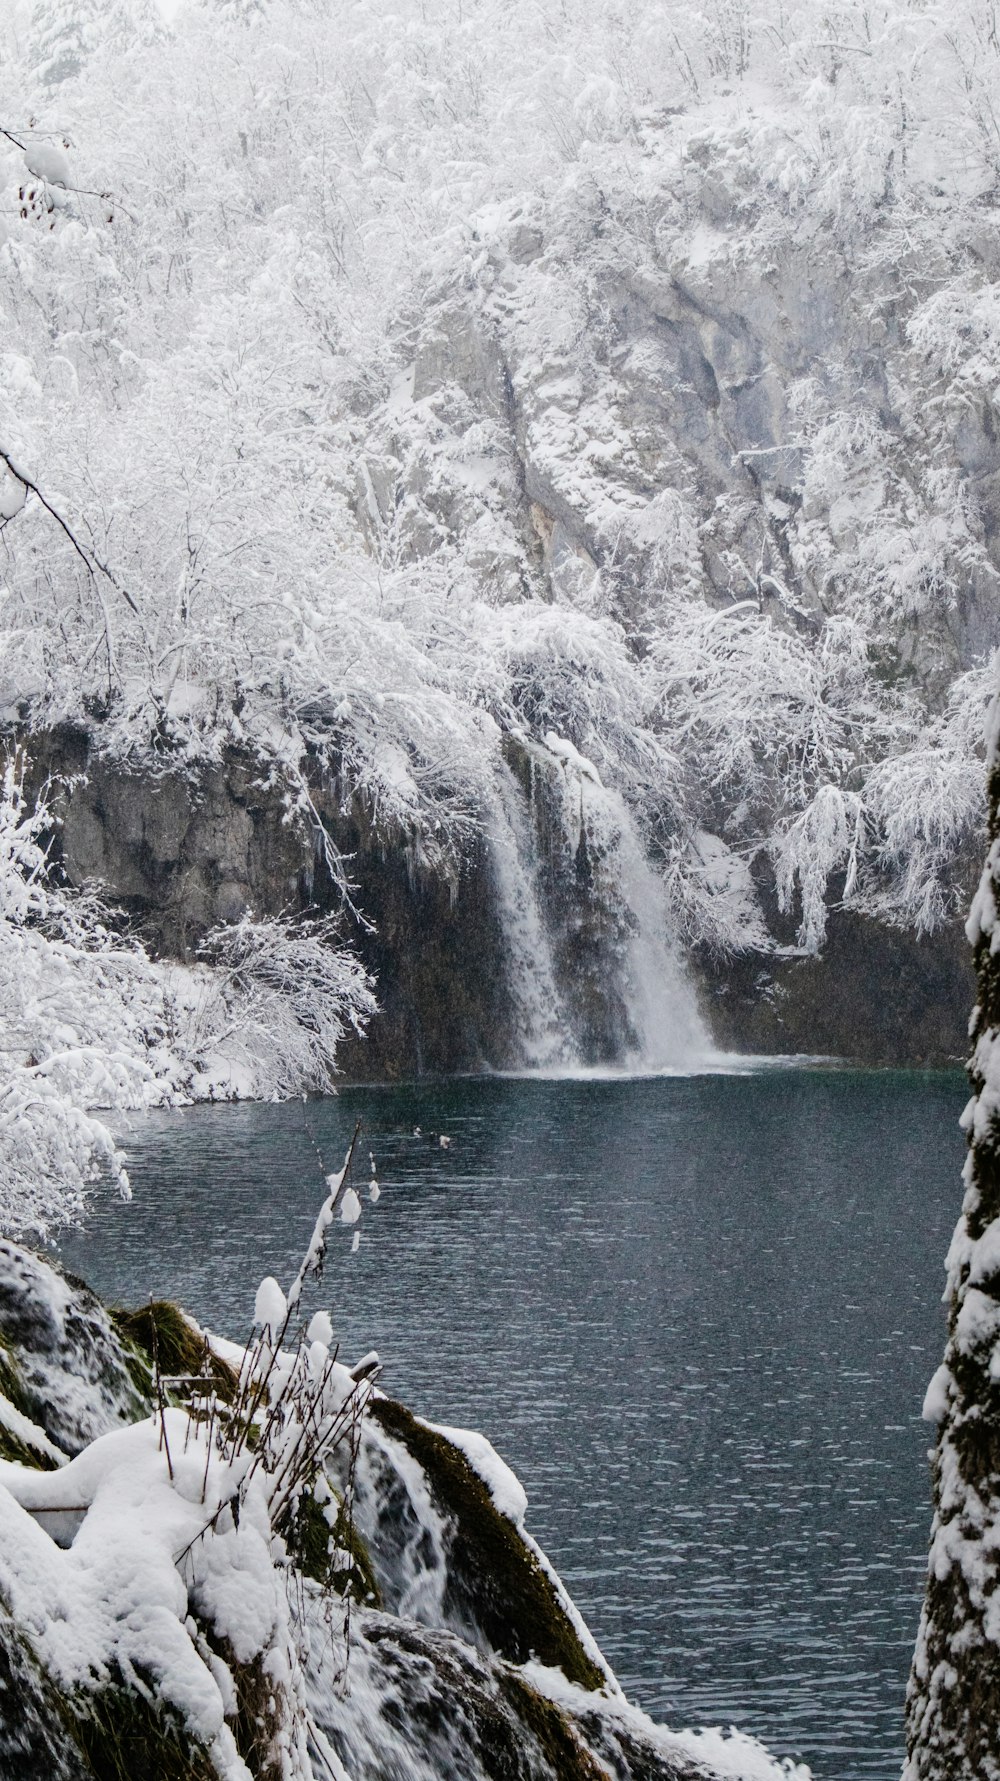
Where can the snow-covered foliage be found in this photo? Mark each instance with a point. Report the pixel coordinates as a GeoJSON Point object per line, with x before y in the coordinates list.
{"type": "Point", "coordinates": [382, 383]}
{"type": "Point", "coordinates": [952, 1730]}
{"type": "Point", "coordinates": [88, 1021]}
{"type": "Point", "coordinates": [176, 1534]}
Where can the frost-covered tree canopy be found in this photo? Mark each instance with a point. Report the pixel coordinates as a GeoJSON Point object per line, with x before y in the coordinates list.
{"type": "Point", "coordinates": [384, 378]}
{"type": "Point", "coordinates": [385, 384]}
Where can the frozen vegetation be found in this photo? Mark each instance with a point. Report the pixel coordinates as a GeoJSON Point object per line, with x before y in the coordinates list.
{"type": "Point", "coordinates": [90, 1023]}
{"type": "Point", "coordinates": [394, 395]}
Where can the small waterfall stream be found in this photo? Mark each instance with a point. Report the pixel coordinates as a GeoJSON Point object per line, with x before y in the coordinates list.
{"type": "Point", "coordinates": [669, 1030]}
{"type": "Point", "coordinates": [594, 973]}
{"type": "Point", "coordinates": [544, 1037]}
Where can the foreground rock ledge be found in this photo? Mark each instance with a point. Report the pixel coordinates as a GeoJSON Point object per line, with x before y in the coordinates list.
{"type": "Point", "coordinates": [466, 1656]}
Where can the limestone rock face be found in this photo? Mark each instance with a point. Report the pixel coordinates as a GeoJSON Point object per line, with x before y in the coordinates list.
{"type": "Point", "coordinates": [181, 852]}
{"type": "Point", "coordinates": [648, 410]}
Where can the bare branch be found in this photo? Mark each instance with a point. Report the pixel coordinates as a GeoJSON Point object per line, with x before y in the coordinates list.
{"type": "Point", "coordinates": [92, 563]}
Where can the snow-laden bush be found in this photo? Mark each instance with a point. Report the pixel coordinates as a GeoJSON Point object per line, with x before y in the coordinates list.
{"type": "Point", "coordinates": [90, 1024]}
{"type": "Point", "coordinates": [79, 1027]}
{"type": "Point", "coordinates": [185, 1580]}
{"type": "Point", "coordinates": [275, 1001]}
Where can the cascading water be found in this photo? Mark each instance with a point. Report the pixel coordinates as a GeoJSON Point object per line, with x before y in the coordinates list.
{"type": "Point", "coordinates": [601, 978]}
{"type": "Point", "coordinates": [543, 1027]}
{"type": "Point", "coordinates": [669, 1031]}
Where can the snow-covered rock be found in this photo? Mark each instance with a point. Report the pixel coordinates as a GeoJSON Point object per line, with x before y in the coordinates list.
{"type": "Point", "coordinates": [147, 1597]}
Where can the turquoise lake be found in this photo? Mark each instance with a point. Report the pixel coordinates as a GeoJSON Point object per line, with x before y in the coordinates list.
{"type": "Point", "coordinates": [696, 1314]}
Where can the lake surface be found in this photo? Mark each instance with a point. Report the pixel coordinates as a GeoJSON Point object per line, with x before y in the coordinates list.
{"type": "Point", "coordinates": [697, 1315]}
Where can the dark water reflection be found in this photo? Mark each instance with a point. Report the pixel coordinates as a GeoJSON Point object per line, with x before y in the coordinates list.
{"type": "Point", "coordinates": [697, 1316]}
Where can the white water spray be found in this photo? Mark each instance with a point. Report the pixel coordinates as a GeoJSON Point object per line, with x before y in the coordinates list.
{"type": "Point", "coordinates": [543, 1027]}
{"type": "Point", "coordinates": [669, 1033]}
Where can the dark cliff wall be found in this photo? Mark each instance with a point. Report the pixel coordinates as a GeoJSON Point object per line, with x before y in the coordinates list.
{"type": "Point", "coordinates": [877, 995]}
{"type": "Point", "coordinates": [179, 853]}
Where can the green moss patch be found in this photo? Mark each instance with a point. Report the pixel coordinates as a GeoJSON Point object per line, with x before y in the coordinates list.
{"type": "Point", "coordinates": [10, 1381]}
{"type": "Point", "coordinates": [309, 1544]}
{"type": "Point", "coordinates": [162, 1328]}
{"type": "Point", "coordinates": [22, 1454]}
{"type": "Point", "coordinates": [561, 1746]}
{"type": "Point", "coordinates": [494, 1581]}
{"type": "Point", "coordinates": [122, 1736]}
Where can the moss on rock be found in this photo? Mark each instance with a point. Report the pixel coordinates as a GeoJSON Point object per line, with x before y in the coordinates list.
{"type": "Point", "coordinates": [21, 1453]}
{"type": "Point", "coordinates": [318, 1550]}
{"type": "Point", "coordinates": [11, 1384]}
{"type": "Point", "coordinates": [161, 1328]}
{"type": "Point", "coordinates": [495, 1582]}
{"type": "Point", "coordinates": [122, 1735]}
{"type": "Point", "coordinates": [558, 1741]}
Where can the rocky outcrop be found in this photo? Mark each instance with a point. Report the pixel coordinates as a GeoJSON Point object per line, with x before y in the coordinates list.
{"type": "Point", "coordinates": [474, 1662]}
{"type": "Point", "coordinates": [875, 995]}
{"type": "Point", "coordinates": [178, 851]}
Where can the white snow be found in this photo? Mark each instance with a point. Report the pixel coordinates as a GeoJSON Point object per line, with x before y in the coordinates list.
{"type": "Point", "coordinates": [46, 160]}
{"type": "Point", "coordinates": [724, 1753]}
{"type": "Point", "coordinates": [938, 1396]}
{"type": "Point", "coordinates": [117, 1599]}
{"type": "Point", "coordinates": [13, 494]}
{"type": "Point", "coordinates": [505, 1488]}
{"type": "Point", "coordinates": [270, 1307]}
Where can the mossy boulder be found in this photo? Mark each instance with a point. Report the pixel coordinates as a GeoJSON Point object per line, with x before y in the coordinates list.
{"type": "Point", "coordinates": [495, 1584]}
{"type": "Point", "coordinates": [160, 1333]}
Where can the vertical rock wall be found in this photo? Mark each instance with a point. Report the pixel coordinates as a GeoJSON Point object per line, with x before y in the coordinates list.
{"type": "Point", "coordinates": [179, 852]}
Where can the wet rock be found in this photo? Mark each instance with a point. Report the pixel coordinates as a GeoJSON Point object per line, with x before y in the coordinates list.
{"type": "Point", "coordinates": [70, 1365]}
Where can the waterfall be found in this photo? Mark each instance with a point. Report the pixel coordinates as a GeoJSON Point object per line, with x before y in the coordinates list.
{"type": "Point", "coordinates": [543, 1025]}
{"type": "Point", "coordinates": [669, 1031]}
{"type": "Point", "coordinates": [604, 884]}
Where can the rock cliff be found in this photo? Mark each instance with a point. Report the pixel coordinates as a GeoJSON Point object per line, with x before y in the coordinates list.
{"type": "Point", "coordinates": [179, 853]}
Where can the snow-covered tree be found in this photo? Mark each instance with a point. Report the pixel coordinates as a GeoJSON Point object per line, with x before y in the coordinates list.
{"type": "Point", "coordinates": [952, 1726]}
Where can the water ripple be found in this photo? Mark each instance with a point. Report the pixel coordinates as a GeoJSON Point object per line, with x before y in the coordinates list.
{"type": "Point", "coordinates": [696, 1314]}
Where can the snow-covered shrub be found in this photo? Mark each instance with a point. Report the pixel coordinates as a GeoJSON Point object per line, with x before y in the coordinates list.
{"type": "Point", "coordinates": [181, 1587]}
{"type": "Point", "coordinates": [825, 838]}
{"type": "Point", "coordinates": [79, 1024]}
{"type": "Point", "coordinates": [276, 1000]}
{"type": "Point", "coordinates": [924, 807]}
{"type": "Point", "coordinates": [761, 715]}
{"type": "Point", "coordinates": [90, 1024]}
